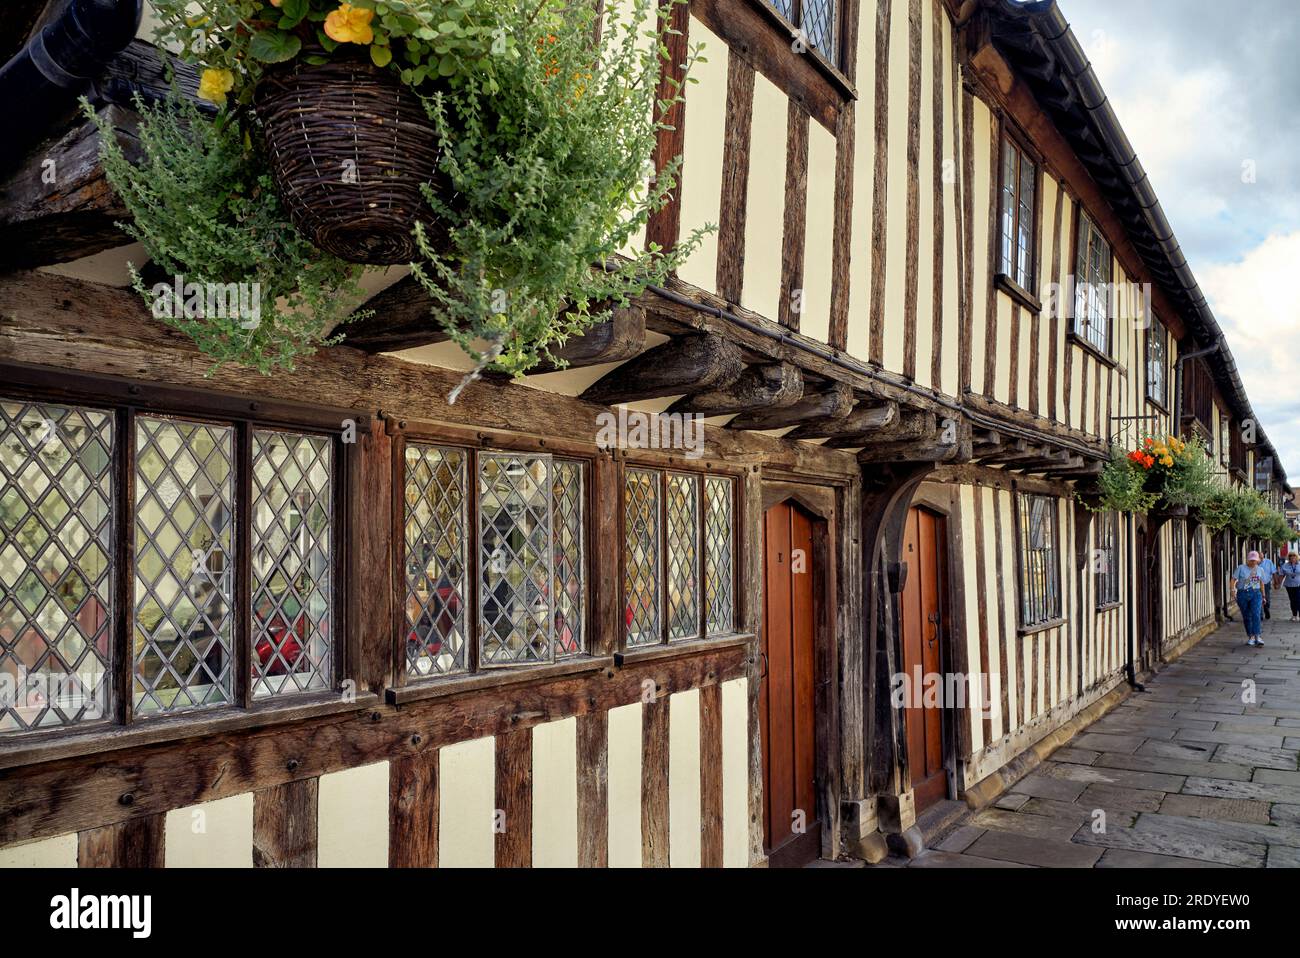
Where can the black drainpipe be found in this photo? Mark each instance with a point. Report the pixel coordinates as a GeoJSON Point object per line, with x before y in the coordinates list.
{"type": "Point", "coordinates": [43, 80]}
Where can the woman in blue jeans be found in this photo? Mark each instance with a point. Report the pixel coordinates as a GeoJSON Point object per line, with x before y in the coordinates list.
{"type": "Point", "coordinates": [1250, 579]}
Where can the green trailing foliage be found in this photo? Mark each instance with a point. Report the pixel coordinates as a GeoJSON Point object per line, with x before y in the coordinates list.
{"type": "Point", "coordinates": [547, 155]}
{"type": "Point", "coordinates": [203, 205]}
{"type": "Point", "coordinates": [1122, 486]}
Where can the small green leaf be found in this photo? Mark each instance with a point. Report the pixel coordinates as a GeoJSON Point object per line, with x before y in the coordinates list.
{"type": "Point", "coordinates": [381, 56]}
{"type": "Point", "coordinates": [274, 46]}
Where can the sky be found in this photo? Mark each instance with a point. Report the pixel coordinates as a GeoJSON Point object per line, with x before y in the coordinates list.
{"type": "Point", "coordinates": [1209, 95]}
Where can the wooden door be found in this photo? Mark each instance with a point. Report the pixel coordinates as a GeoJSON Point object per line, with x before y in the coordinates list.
{"type": "Point", "coordinates": [786, 708]}
{"type": "Point", "coordinates": [923, 622]}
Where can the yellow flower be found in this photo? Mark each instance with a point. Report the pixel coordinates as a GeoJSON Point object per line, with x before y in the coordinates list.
{"type": "Point", "coordinates": [347, 24]}
{"type": "Point", "coordinates": [215, 84]}
{"type": "Point", "coordinates": [1167, 462]}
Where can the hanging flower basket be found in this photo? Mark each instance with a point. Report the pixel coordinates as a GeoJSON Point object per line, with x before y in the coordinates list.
{"type": "Point", "coordinates": [349, 148]}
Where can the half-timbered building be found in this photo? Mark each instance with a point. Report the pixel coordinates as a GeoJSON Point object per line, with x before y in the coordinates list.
{"type": "Point", "coordinates": [940, 288]}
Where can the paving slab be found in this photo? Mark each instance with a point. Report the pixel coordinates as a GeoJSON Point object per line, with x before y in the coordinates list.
{"type": "Point", "coordinates": [1100, 742]}
{"type": "Point", "coordinates": [1282, 856]}
{"type": "Point", "coordinates": [960, 839]}
{"type": "Point", "coordinates": [1176, 844]}
{"type": "Point", "coordinates": [1075, 756]}
{"type": "Point", "coordinates": [1226, 809]}
{"type": "Point", "coordinates": [1126, 858]}
{"type": "Point", "coordinates": [1273, 776]}
{"type": "Point", "coordinates": [1258, 791]}
{"type": "Point", "coordinates": [1113, 797]}
{"type": "Point", "coordinates": [1040, 785]}
{"type": "Point", "coordinates": [1037, 826]}
{"type": "Point", "coordinates": [936, 859]}
{"type": "Point", "coordinates": [1233, 738]}
{"type": "Point", "coordinates": [1012, 800]}
{"type": "Point", "coordinates": [1026, 850]}
{"type": "Point", "coordinates": [1257, 756]}
{"type": "Point", "coordinates": [1188, 751]}
{"type": "Point", "coordinates": [1115, 776]}
{"type": "Point", "coordinates": [1173, 766]}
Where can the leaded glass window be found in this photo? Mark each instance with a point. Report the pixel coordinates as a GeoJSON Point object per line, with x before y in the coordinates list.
{"type": "Point", "coordinates": [1040, 574]}
{"type": "Point", "coordinates": [683, 557]}
{"type": "Point", "coordinates": [184, 582]}
{"type": "Point", "coordinates": [56, 583]}
{"type": "Point", "coordinates": [527, 542]}
{"type": "Point", "coordinates": [1180, 553]}
{"type": "Point", "coordinates": [292, 582]}
{"type": "Point", "coordinates": [569, 579]}
{"type": "Point", "coordinates": [1107, 559]}
{"type": "Point", "coordinates": [816, 22]}
{"type": "Point", "coordinates": [516, 552]}
{"type": "Point", "coordinates": [678, 556]}
{"type": "Point", "coordinates": [1019, 185]}
{"type": "Point", "coordinates": [719, 579]}
{"type": "Point", "coordinates": [641, 572]}
{"type": "Point", "coordinates": [1198, 554]}
{"type": "Point", "coordinates": [1157, 362]}
{"type": "Point", "coordinates": [435, 560]}
{"type": "Point", "coordinates": [1092, 291]}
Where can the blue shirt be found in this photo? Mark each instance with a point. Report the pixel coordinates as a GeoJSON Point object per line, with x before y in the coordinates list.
{"type": "Point", "coordinates": [1250, 580]}
{"type": "Point", "coordinates": [1268, 567]}
{"type": "Point", "coordinates": [1291, 570]}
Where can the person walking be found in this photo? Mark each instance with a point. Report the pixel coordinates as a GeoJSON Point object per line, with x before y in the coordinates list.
{"type": "Point", "coordinates": [1290, 570]}
{"type": "Point", "coordinates": [1250, 580]}
{"type": "Point", "coordinates": [1269, 569]}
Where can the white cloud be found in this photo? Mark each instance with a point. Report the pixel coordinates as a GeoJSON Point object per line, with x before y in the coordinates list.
{"type": "Point", "coordinates": [1257, 302]}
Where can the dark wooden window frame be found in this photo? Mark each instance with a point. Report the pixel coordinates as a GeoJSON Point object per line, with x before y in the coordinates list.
{"type": "Point", "coordinates": [1054, 616]}
{"type": "Point", "coordinates": [1225, 438]}
{"type": "Point", "coordinates": [1073, 334]}
{"type": "Point", "coordinates": [765, 38]}
{"type": "Point", "coordinates": [125, 399]}
{"type": "Point", "coordinates": [1010, 135]}
{"type": "Point", "coordinates": [1161, 402]}
{"type": "Point", "coordinates": [1198, 554]}
{"type": "Point", "coordinates": [1107, 582]}
{"type": "Point", "coordinates": [1178, 540]}
{"type": "Point", "coordinates": [471, 441]}
{"type": "Point", "coordinates": [680, 466]}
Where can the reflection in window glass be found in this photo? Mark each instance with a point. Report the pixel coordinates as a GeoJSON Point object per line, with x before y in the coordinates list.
{"type": "Point", "coordinates": [184, 534]}
{"type": "Point", "coordinates": [641, 557]}
{"type": "Point", "coordinates": [718, 575]}
{"type": "Point", "coordinates": [56, 587]}
{"type": "Point", "coordinates": [683, 556]}
{"type": "Point", "coordinates": [291, 562]}
{"type": "Point", "coordinates": [515, 559]}
{"type": "Point", "coordinates": [570, 586]}
{"type": "Point", "coordinates": [435, 560]}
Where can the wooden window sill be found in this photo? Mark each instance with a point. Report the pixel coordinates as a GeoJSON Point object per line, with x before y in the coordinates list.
{"type": "Point", "coordinates": [764, 39]}
{"type": "Point", "coordinates": [1042, 627]}
{"type": "Point", "coordinates": [1018, 293]}
{"type": "Point", "coordinates": [680, 648]}
{"type": "Point", "coordinates": [443, 687]}
{"type": "Point", "coordinates": [1109, 607]}
{"type": "Point", "coordinates": [18, 749]}
{"type": "Point", "coordinates": [1158, 405]}
{"type": "Point", "coordinates": [1088, 346]}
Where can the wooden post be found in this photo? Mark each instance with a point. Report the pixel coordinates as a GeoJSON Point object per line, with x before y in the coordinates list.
{"type": "Point", "coordinates": [514, 791]}
{"type": "Point", "coordinates": [593, 790]}
{"type": "Point", "coordinates": [711, 776]}
{"type": "Point", "coordinates": [134, 843]}
{"type": "Point", "coordinates": [654, 782]}
{"type": "Point", "coordinates": [413, 799]}
{"type": "Point", "coordinates": [284, 825]}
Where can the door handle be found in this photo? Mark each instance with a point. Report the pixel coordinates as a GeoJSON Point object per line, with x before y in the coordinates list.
{"type": "Point", "coordinates": [763, 675]}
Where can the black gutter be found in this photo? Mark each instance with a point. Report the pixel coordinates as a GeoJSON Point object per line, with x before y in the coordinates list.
{"type": "Point", "coordinates": [41, 83]}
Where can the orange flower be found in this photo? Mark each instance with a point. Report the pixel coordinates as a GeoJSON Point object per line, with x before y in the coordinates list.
{"type": "Point", "coordinates": [348, 24]}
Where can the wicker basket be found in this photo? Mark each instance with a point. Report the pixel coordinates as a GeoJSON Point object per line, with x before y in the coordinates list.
{"type": "Point", "coordinates": [349, 147]}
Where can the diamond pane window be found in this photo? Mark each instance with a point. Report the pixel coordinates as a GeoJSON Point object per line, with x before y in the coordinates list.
{"type": "Point", "coordinates": [435, 560]}
{"type": "Point", "coordinates": [56, 586]}
{"type": "Point", "coordinates": [292, 512]}
{"type": "Point", "coordinates": [641, 557]}
{"type": "Point", "coordinates": [567, 490]}
{"type": "Point", "coordinates": [683, 532]}
{"type": "Point", "coordinates": [515, 559]}
{"type": "Point", "coordinates": [816, 21]}
{"type": "Point", "coordinates": [718, 576]}
{"type": "Point", "coordinates": [184, 583]}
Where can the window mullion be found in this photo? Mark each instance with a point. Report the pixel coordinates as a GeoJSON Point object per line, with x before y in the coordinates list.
{"type": "Point", "coordinates": [665, 628]}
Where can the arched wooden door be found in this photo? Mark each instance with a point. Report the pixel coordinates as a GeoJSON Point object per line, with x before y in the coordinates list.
{"type": "Point", "coordinates": [787, 691]}
{"type": "Point", "coordinates": [924, 619]}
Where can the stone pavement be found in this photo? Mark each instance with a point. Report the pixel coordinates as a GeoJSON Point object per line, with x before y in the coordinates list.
{"type": "Point", "coordinates": [1186, 774]}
